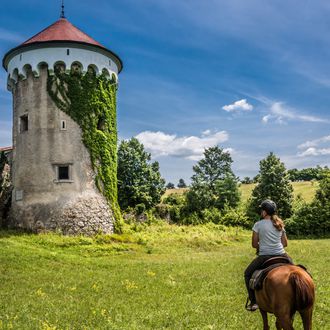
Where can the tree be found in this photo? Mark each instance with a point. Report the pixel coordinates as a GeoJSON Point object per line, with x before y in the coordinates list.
{"type": "Point", "coordinates": [273, 183]}
{"type": "Point", "coordinates": [170, 185]}
{"type": "Point", "coordinates": [182, 184]}
{"type": "Point", "coordinates": [313, 218]}
{"type": "Point", "coordinates": [213, 183]}
{"type": "Point", "coordinates": [247, 180]}
{"type": "Point", "coordinates": [139, 180]}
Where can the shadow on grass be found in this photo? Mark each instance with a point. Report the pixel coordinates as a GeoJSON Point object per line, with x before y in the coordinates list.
{"type": "Point", "coordinates": [6, 233]}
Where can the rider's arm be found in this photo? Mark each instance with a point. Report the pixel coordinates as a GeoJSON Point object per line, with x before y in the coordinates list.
{"type": "Point", "coordinates": [255, 240]}
{"type": "Point", "coordinates": [284, 239]}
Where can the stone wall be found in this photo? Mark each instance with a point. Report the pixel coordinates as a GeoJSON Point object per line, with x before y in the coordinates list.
{"type": "Point", "coordinates": [40, 201]}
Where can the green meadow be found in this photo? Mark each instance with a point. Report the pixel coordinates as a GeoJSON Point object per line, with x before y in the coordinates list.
{"type": "Point", "coordinates": [305, 189]}
{"type": "Point", "coordinates": [151, 277]}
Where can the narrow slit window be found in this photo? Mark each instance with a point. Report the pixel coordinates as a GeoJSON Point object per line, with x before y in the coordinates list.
{"type": "Point", "coordinates": [63, 125]}
{"type": "Point", "coordinates": [68, 52]}
{"type": "Point", "coordinates": [63, 173]}
{"type": "Point", "coordinates": [109, 62]}
{"type": "Point", "coordinates": [20, 57]}
{"type": "Point", "coordinates": [24, 123]}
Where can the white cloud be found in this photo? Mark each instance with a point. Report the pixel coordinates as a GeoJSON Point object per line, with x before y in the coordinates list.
{"type": "Point", "coordinates": [189, 147]}
{"type": "Point", "coordinates": [315, 148]}
{"type": "Point", "coordinates": [314, 143]}
{"type": "Point", "coordinates": [314, 152]}
{"type": "Point", "coordinates": [280, 113]}
{"type": "Point", "coordinates": [241, 105]}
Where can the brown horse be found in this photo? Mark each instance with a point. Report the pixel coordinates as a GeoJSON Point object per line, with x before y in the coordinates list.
{"type": "Point", "coordinates": [285, 290]}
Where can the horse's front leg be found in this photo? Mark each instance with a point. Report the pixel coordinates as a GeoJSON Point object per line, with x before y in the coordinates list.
{"type": "Point", "coordinates": [264, 319]}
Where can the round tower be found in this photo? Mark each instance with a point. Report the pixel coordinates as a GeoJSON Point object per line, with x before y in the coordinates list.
{"type": "Point", "coordinates": [64, 161]}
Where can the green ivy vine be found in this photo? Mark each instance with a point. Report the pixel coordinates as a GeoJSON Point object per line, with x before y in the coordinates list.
{"type": "Point", "coordinates": [90, 101]}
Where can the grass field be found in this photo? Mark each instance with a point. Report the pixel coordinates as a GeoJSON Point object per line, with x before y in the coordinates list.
{"type": "Point", "coordinates": [162, 277]}
{"type": "Point", "coordinates": [305, 189]}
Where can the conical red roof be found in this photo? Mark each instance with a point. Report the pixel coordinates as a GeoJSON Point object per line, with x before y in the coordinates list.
{"type": "Point", "coordinates": [62, 30]}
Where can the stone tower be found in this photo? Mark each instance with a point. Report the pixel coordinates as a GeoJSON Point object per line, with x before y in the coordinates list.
{"type": "Point", "coordinates": [64, 157]}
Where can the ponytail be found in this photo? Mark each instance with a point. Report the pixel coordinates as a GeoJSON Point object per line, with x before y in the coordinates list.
{"type": "Point", "coordinates": [277, 222]}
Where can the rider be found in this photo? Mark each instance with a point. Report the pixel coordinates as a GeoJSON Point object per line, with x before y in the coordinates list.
{"type": "Point", "coordinates": [269, 239]}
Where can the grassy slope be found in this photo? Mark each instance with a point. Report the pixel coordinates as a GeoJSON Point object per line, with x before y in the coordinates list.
{"type": "Point", "coordinates": [305, 189]}
{"type": "Point", "coordinates": [168, 277]}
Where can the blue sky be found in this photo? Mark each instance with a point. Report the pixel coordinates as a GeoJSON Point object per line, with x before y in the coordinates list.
{"type": "Point", "coordinates": [252, 76]}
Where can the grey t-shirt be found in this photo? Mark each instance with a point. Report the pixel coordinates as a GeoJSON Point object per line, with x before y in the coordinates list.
{"type": "Point", "coordinates": [269, 238]}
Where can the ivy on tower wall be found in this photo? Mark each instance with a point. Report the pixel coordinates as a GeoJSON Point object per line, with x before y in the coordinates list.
{"type": "Point", "coordinates": [90, 101]}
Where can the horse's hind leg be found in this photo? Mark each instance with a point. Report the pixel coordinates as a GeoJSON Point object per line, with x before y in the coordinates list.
{"type": "Point", "coordinates": [264, 319]}
{"type": "Point", "coordinates": [306, 316]}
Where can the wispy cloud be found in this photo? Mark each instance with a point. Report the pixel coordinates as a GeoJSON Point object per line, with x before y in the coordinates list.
{"type": "Point", "coordinates": [314, 143]}
{"type": "Point", "coordinates": [314, 152]}
{"type": "Point", "coordinates": [280, 113]}
{"type": "Point", "coordinates": [188, 147]}
{"type": "Point", "coordinates": [316, 147]}
{"type": "Point", "coordinates": [241, 105]}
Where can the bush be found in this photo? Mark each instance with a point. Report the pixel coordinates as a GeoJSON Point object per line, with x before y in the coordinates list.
{"type": "Point", "coordinates": [163, 211]}
{"type": "Point", "coordinates": [235, 217]}
{"type": "Point", "coordinates": [140, 208]}
{"type": "Point", "coordinates": [313, 219]}
{"type": "Point", "coordinates": [211, 215]}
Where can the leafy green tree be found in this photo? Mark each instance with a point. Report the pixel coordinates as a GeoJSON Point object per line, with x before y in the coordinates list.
{"type": "Point", "coordinates": [314, 218]}
{"type": "Point", "coordinates": [170, 185]}
{"type": "Point", "coordinates": [273, 183]}
{"type": "Point", "coordinates": [247, 180]}
{"type": "Point", "coordinates": [139, 179]}
{"type": "Point", "coordinates": [182, 184]}
{"type": "Point", "coordinates": [213, 183]}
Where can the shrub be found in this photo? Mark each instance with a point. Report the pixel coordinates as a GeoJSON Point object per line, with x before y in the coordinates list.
{"type": "Point", "coordinates": [235, 217]}
{"type": "Point", "coordinates": [314, 218]}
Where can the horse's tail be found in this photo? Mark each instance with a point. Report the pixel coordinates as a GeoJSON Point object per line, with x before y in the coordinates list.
{"type": "Point", "coordinates": [304, 289]}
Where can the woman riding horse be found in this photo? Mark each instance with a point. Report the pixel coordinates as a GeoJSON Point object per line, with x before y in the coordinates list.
{"type": "Point", "coordinates": [269, 238]}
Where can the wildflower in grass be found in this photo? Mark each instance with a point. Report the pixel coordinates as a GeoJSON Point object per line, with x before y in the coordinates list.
{"type": "Point", "coordinates": [150, 273]}
{"type": "Point", "coordinates": [45, 325]}
{"type": "Point", "coordinates": [171, 280]}
{"type": "Point", "coordinates": [40, 293]}
{"type": "Point", "coordinates": [129, 285]}
{"type": "Point", "coordinates": [95, 287]}
{"type": "Point", "coordinates": [73, 288]}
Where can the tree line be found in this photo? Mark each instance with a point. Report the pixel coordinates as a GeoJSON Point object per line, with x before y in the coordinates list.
{"type": "Point", "coordinates": [213, 195]}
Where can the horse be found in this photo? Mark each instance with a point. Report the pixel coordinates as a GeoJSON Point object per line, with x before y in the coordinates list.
{"type": "Point", "coordinates": [286, 290]}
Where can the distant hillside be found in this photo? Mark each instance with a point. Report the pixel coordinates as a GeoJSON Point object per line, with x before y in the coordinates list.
{"type": "Point", "coordinates": [306, 189]}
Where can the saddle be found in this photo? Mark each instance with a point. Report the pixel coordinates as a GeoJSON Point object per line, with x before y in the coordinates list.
{"type": "Point", "coordinates": [259, 275]}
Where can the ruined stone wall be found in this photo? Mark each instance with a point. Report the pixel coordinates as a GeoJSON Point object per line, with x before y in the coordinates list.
{"type": "Point", "coordinates": [40, 201]}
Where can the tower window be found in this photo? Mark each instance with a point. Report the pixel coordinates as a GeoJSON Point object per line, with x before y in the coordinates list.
{"type": "Point", "coordinates": [63, 125]}
{"type": "Point", "coordinates": [63, 173]}
{"type": "Point", "coordinates": [20, 57]}
{"type": "Point", "coordinates": [109, 62]}
{"type": "Point", "coordinates": [68, 52]}
{"type": "Point", "coordinates": [24, 123]}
